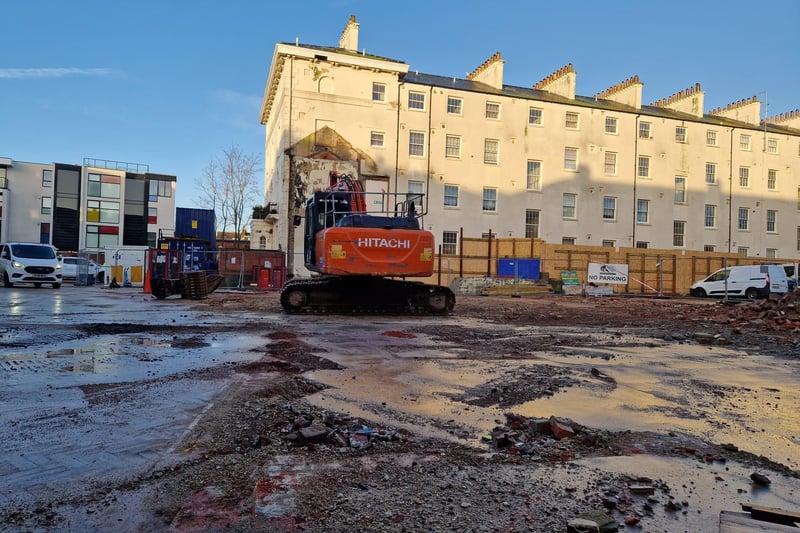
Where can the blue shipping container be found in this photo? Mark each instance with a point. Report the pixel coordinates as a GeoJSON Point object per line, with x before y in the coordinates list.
{"type": "Point", "coordinates": [197, 224]}
{"type": "Point", "coordinates": [526, 268]}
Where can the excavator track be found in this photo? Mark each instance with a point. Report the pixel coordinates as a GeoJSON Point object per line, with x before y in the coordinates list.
{"type": "Point", "coordinates": [365, 295]}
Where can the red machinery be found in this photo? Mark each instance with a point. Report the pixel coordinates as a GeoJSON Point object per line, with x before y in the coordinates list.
{"type": "Point", "coordinates": [358, 241]}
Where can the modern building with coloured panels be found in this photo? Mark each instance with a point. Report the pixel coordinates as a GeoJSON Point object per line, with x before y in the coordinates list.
{"type": "Point", "coordinates": [84, 207]}
{"type": "Point", "coordinates": [537, 162]}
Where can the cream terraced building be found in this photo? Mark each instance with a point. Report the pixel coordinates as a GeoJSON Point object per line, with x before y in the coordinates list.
{"type": "Point", "coordinates": [540, 162]}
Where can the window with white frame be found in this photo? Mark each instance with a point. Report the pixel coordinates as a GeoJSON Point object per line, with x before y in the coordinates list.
{"type": "Point", "coordinates": [491, 151]}
{"type": "Point", "coordinates": [744, 142]}
{"type": "Point", "coordinates": [568, 240]}
{"type": "Point", "coordinates": [680, 134]}
{"type": "Point", "coordinates": [532, 217]}
{"type": "Point", "coordinates": [611, 163]}
{"type": "Point", "coordinates": [643, 168]}
{"type": "Point", "coordinates": [609, 208]}
{"type": "Point", "coordinates": [642, 244]}
{"type": "Point", "coordinates": [47, 205]}
{"type": "Point", "coordinates": [3, 178]}
{"type": "Point", "coordinates": [711, 138]}
{"type": "Point", "coordinates": [744, 251]}
{"type": "Point", "coordinates": [377, 139]}
{"type": "Point", "coordinates": [711, 173]}
{"type": "Point", "coordinates": [489, 199]}
{"type": "Point", "coordinates": [47, 177]}
{"type": "Point", "coordinates": [416, 100]}
{"type": "Point", "coordinates": [744, 218]}
{"type": "Point", "coordinates": [644, 130]}
{"type": "Point", "coordinates": [642, 211]}
{"type": "Point", "coordinates": [772, 145]}
{"type": "Point", "coordinates": [454, 105]}
{"type": "Point", "coordinates": [772, 253]}
{"type": "Point", "coordinates": [416, 143]}
{"type": "Point", "coordinates": [609, 244]}
{"type": "Point", "coordinates": [158, 189]}
{"type": "Point", "coordinates": [449, 242]}
{"type": "Point", "coordinates": [678, 233]}
{"type": "Point", "coordinates": [568, 204]}
{"type": "Point", "coordinates": [378, 92]}
{"type": "Point", "coordinates": [710, 219]}
{"type": "Point", "coordinates": [798, 239]}
{"type": "Point", "coordinates": [680, 189]}
{"type": "Point", "coordinates": [709, 248]}
{"type": "Point", "coordinates": [535, 116]}
{"type": "Point", "coordinates": [493, 110]}
{"type": "Point", "coordinates": [570, 159]}
{"type": "Point", "coordinates": [571, 120]}
{"type": "Point", "coordinates": [450, 195]}
{"type": "Point", "coordinates": [772, 179]}
{"type": "Point", "coordinates": [772, 220]}
{"type": "Point", "coordinates": [534, 175]}
{"type": "Point", "coordinates": [611, 125]}
{"type": "Point", "coordinates": [452, 146]}
{"type": "Point", "coordinates": [744, 177]}
{"type": "Point", "coordinates": [415, 187]}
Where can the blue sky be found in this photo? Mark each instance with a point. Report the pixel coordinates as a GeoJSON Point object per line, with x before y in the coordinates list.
{"type": "Point", "coordinates": [171, 83]}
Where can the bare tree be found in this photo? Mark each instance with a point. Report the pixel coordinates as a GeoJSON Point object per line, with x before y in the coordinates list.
{"type": "Point", "coordinates": [230, 187]}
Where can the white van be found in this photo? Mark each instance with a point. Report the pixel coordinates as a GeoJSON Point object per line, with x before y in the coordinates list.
{"type": "Point", "coordinates": [29, 262]}
{"type": "Point", "coordinates": [750, 281]}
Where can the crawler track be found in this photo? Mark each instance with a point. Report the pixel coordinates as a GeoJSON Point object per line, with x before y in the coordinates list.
{"type": "Point", "coordinates": [365, 294]}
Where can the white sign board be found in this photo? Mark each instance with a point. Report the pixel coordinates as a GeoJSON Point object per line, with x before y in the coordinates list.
{"type": "Point", "coordinates": [607, 273]}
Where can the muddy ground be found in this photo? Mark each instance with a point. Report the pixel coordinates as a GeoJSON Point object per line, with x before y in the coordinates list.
{"type": "Point", "coordinates": [263, 458]}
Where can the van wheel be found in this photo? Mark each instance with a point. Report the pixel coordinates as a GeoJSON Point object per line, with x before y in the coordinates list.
{"type": "Point", "coordinates": [751, 293]}
{"type": "Point", "coordinates": [56, 285]}
{"type": "Point", "coordinates": [6, 281]}
{"type": "Point", "coordinates": [698, 292]}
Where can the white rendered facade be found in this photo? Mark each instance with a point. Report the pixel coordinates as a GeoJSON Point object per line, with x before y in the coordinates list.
{"type": "Point", "coordinates": [530, 162]}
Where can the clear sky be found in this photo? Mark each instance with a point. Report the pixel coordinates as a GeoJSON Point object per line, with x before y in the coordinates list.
{"type": "Point", "coordinates": [171, 83]}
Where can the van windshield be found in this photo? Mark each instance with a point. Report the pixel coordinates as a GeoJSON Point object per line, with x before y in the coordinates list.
{"type": "Point", "coordinates": [32, 251]}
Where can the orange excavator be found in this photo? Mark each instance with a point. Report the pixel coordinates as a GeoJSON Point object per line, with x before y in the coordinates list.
{"type": "Point", "coordinates": [363, 245]}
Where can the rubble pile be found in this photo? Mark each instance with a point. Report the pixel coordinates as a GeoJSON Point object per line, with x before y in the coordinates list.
{"type": "Point", "coordinates": [778, 315]}
{"type": "Point", "coordinates": [338, 432]}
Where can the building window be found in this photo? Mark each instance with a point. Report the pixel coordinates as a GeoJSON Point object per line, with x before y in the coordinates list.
{"type": "Point", "coordinates": [568, 240]}
{"type": "Point", "coordinates": [571, 120]}
{"type": "Point", "coordinates": [772, 145]}
{"type": "Point", "coordinates": [452, 146]}
{"type": "Point", "coordinates": [570, 159]}
{"type": "Point", "coordinates": [709, 248]}
{"type": "Point", "coordinates": [772, 179]}
{"type": "Point", "coordinates": [568, 202]}
{"type": "Point", "coordinates": [454, 105]}
{"type": "Point", "coordinates": [152, 215]}
{"type": "Point", "coordinates": [642, 211]}
{"type": "Point", "coordinates": [711, 138]}
{"type": "Point", "coordinates": [489, 199]}
{"type": "Point", "coordinates": [744, 142]}
{"type": "Point", "coordinates": [415, 187]}
{"type": "Point", "coordinates": [772, 218]}
{"type": "Point", "coordinates": [44, 233]}
{"type": "Point", "coordinates": [449, 242]}
{"type": "Point", "coordinates": [680, 134]}
{"type": "Point", "coordinates": [451, 195]}
{"type": "Point", "coordinates": [416, 143]}
{"type": "Point", "coordinates": [710, 220]}
{"type": "Point", "coordinates": [744, 177]}
{"type": "Point", "coordinates": [798, 238]}
{"type": "Point", "coordinates": [744, 251]}
{"type": "Point", "coordinates": [678, 233]}
{"type": "Point", "coordinates": [101, 236]}
{"type": "Point", "coordinates": [532, 223]}
{"type": "Point", "coordinates": [644, 130]}
{"type": "Point", "coordinates": [3, 178]}
{"type": "Point", "coordinates": [534, 181]}
{"type": "Point", "coordinates": [609, 244]}
{"type": "Point", "coordinates": [535, 116]}
{"type": "Point", "coordinates": [47, 205]}
{"type": "Point", "coordinates": [744, 214]}
{"type": "Point", "coordinates": [104, 212]}
{"type": "Point", "coordinates": [491, 151]}
{"type": "Point", "coordinates": [47, 178]}
{"type": "Point", "coordinates": [378, 92]}
{"type": "Point", "coordinates": [103, 186]}
{"type": "Point", "coordinates": [611, 163]}
{"type": "Point", "coordinates": [644, 166]}
{"type": "Point", "coordinates": [611, 125]}
{"type": "Point", "coordinates": [609, 208]}
{"type": "Point", "coordinates": [680, 190]}
{"type": "Point", "coordinates": [262, 242]}
{"type": "Point", "coordinates": [642, 244]}
{"type": "Point", "coordinates": [772, 253]}
{"type": "Point", "coordinates": [377, 139]}
{"type": "Point", "coordinates": [416, 100]}
{"type": "Point", "coordinates": [160, 189]}
{"type": "Point", "coordinates": [798, 198]}
{"type": "Point", "coordinates": [711, 173]}
{"type": "Point", "coordinates": [493, 110]}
